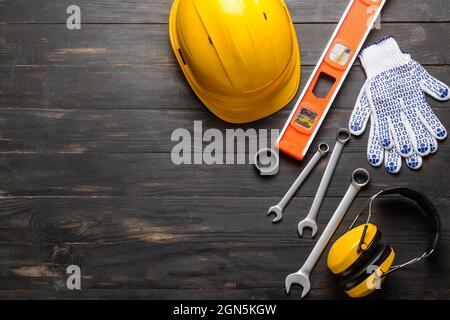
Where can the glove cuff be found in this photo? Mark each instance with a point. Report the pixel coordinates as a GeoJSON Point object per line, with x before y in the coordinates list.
{"type": "Point", "coordinates": [383, 56]}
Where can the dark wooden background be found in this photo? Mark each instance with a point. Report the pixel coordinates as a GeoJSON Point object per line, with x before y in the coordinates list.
{"type": "Point", "coordinates": [86, 175]}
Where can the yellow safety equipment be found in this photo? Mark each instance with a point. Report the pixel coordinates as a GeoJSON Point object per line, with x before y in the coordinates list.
{"type": "Point", "coordinates": [361, 261]}
{"type": "Point", "coordinates": [241, 57]}
{"type": "Point", "coordinates": [345, 251]}
{"type": "Point", "coordinates": [349, 259]}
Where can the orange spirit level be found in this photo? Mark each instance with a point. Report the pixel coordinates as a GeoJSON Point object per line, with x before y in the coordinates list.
{"type": "Point", "coordinates": [334, 64]}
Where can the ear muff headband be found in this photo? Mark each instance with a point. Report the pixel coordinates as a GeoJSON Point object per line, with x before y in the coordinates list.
{"type": "Point", "coordinates": [427, 207]}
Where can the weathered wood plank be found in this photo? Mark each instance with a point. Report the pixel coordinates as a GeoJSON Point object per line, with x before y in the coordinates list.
{"type": "Point", "coordinates": [331, 292]}
{"type": "Point", "coordinates": [141, 227]}
{"type": "Point", "coordinates": [142, 131]}
{"type": "Point", "coordinates": [139, 45]}
{"type": "Point", "coordinates": [189, 244]}
{"type": "Point", "coordinates": [142, 11]}
{"type": "Point", "coordinates": [128, 87]}
{"type": "Point", "coordinates": [219, 268]}
{"type": "Point", "coordinates": [171, 220]}
{"type": "Point", "coordinates": [98, 174]}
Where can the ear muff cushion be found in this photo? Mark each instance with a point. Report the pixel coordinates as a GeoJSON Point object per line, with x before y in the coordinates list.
{"type": "Point", "coordinates": [381, 253]}
{"type": "Point", "coordinates": [364, 257]}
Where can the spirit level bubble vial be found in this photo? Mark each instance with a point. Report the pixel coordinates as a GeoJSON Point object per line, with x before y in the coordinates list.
{"type": "Point", "coordinates": [334, 64]}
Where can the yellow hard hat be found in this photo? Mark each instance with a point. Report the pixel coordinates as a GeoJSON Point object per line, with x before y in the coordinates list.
{"type": "Point", "coordinates": [241, 57]}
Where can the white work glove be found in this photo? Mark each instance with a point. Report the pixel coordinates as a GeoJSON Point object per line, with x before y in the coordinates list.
{"type": "Point", "coordinates": [394, 98]}
{"type": "Point", "coordinates": [392, 159]}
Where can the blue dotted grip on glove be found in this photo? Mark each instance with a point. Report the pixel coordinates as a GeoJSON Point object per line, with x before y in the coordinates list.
{"type": "Point", "coordinates": [393, 98]}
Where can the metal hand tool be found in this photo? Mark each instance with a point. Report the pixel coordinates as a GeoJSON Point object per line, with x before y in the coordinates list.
{"type": "Point", "coordinates": [342, 138]}
{"type": "Point", "coordinates": [279, 208]}
{"type": "Point", "coordinates": [360, 178]}
{"type": "Point", "coordinates": [274, 167]}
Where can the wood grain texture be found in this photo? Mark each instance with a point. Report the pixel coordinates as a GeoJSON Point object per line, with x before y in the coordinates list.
{"type": "Point", "coordinates": [154, 174]}
{"type": "Point", "coordinates": [79, 131]}
{"type": "Point", "coordinates": [143, 11]}
{"type": "Point", "coordinates": [179, 245]}
{"type": "Point", "coordinates": [144, 46]}
{"type": "Point", "coordinates": [86, 176]}
{"type": "Point", "coordinates": [128, 87]}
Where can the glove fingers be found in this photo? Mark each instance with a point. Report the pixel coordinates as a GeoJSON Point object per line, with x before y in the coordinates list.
{"type": "Point", "coordinates": [402, 140]}
{"type": "Point", "coordinates": [414, 162]}
{"type": "Point", "coordinates": [431, 122]}
{"type": "Point", "coordinates": [360, 114]}
{"type": "Point", "coordinates": [375, 151]}
{"type": "Point", "coordinates": [392, 161]}
{"type": "Point", "coordinates": [383, 131]}
{"type": "Point", "coordinates": [430, 141]}
{"type": "Point", "coordinates": [419, 135]}
{"type": "Point", "coordinates": [433, 86]}
{"type": "Point", "coordinates": [433, 144]}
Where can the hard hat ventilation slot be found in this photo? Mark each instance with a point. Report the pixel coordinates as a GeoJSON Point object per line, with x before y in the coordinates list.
{"type": "Point", "coordinates": [181, 56]}
{"type": "Point", "coordinates": [210, 40]}
{"type": "Point", "coordinates": [265, 15]}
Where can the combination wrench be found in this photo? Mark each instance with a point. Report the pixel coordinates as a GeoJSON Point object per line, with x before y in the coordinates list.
{"type": "Point", "coordinates": [279, 208]}
{"type": "Point", "coordinates": [342, 138]}
{"type": "Point", "coordinates": [360, 178]}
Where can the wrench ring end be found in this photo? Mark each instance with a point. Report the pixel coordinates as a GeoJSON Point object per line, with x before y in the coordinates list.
{"type": "Point", "coordinates": [323, 148]}
{"type": "Point", "coordinates": [360, 177]}
{"type": "Point", "coordinates": [274, 168]}
{"type": "Point", "coordinates": [343, 135]}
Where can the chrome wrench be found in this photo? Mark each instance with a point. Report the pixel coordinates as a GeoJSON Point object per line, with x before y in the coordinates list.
{"type": "Point", "coordinates": [342, 138]}
{"type": "Point", "coordinates": [279, 208]}
{"type": "Point", "coordinates": [360, 178]}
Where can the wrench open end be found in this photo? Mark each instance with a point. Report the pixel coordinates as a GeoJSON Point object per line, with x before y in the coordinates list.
{"type": "Point", "coordinates": [278, 212]}
{"type": "Point", "coordinates": [307, 223]}
{"type": "Point", "coordinates": [300, 279]}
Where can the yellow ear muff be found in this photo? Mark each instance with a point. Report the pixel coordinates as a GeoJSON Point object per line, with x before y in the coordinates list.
{"type": "Point", "coordinates": [365, 286]}
{"type": "Point", "coordinates": [356, 251]}
{"type": "Point", "coordinates": [344, 252]}
{"type": "Point", "coordinates": [361, 261]}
